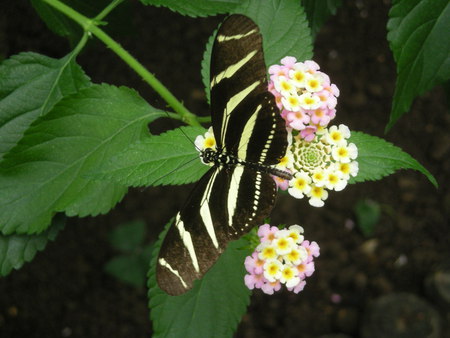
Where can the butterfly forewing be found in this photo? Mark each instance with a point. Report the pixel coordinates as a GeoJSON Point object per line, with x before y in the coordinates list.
{"type": "Point", "coordinates": [237, 68]}
{"type": "Point", "coordinates": [229, 199]}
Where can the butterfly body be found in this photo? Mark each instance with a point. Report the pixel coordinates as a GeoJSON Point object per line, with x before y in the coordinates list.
{"type": "Point", "coordinates": [238, 192]}
{"type": "Point", "coordinates": [219, 158]}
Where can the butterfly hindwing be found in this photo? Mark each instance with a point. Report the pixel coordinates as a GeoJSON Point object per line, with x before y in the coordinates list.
{"type": "Point", "coordinates": [229, 199]}
{"type": "Point", "coordinates": [209, 220]}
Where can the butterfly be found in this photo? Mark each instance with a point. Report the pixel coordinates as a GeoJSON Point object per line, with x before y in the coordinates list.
{"type": "Point", "coordinates": [238, 192]}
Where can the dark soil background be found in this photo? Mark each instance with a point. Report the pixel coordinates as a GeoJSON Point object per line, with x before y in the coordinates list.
{"type": "Point", "coordinates": [65, 292]}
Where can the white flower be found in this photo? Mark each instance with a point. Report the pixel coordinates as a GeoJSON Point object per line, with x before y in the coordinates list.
{"type": "Point", "coordinates": [295, 232]}
{"type": "Point", "coordinates": [319, 177]}
{"type": "Point", "coordinates": [317, 196]}
{"type": "Point", "coordinates": [309, 101]}
{"type": "Point", "coordinates": [344, 153]}
{"type": "Point", "coordinates": [313, 83]}
{"type": "Point", "coordinates": [291, 101]}
{"type": "Point", "coordinates": [348, 169]}
{"type": "Point", "coordinates": [296, 256]}
{"type": "Point", "coordinates": [298, 75]}
{"type": "Point", "coordinates": [284, 86]}
{"type": "Point", "coordinates": [283, 244]}
{"type": "Point", "coordinates": [300, 185]}
{"type": "Point", "coordinates": [337, 135]}
{"type": "Point", "coordinates": [286, 161]}
{"type": "Point", "coordinates": [334, 179]}
{"type": "Point", "coordinates": [205, 141]}
{"type": "Point", "coordinates": [289, 276]}
{"type": "Point", "coordinates": [266, 251]}
{"type": "Point", "coordinates": [272, 270]}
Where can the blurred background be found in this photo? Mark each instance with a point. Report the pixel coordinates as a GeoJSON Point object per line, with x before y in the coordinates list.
{"type": "Point", "coordinates": [384, 260]}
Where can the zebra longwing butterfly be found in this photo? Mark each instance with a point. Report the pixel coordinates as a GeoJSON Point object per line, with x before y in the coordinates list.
{"type": "Point", "coordinates": [238, 192]}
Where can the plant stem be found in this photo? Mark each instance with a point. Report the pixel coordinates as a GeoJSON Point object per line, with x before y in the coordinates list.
{"type": "Point", "coordinates": [90, 26]}
{"type": "Point", "coordinates": [80, 45]}
{"type": "Point", "coordinates": [107, 10]}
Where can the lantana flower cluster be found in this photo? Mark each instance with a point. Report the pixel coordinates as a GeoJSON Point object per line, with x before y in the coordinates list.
{"type": "Point", "coordinates": [282, 257]}
{"type": "Point", "coordinates": [319, 158]}
{"type": "Point", "coordinates": [325, 163]}
{"type": "Point", "coordinates": [306, 97]}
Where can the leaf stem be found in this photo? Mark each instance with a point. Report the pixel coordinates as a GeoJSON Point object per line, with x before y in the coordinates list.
{"type": "Point", "coordinates": [90, 26]}
{"type": "Point", "coordinates": [107, 10]}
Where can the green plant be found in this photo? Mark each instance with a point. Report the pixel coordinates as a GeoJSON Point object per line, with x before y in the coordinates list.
{"type": "Point", "coordinates": [70, 146]}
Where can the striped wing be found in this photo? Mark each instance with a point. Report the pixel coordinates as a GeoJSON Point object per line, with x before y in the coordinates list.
{"type": "Point", "coordinates": [228, 200]}
{"type": "Point", "coordinates": [245, 118]}
{"type": "Point", "coordinates": [224, 204]}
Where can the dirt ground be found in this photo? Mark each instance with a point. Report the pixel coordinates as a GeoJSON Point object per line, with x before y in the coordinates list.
{"type": "Point", "coordinates": [64, 292]}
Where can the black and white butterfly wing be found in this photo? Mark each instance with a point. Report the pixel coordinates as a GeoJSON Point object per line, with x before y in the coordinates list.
{"type": "Point", "coordinates": [246, 121]}
{"type": "Point", "coordinates": [220, 208]}
{"type": "Point", "coordinates": [228, 200]}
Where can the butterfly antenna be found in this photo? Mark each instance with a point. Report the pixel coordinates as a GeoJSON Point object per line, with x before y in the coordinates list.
{"type": "Point", "coordinates": [172, 171]}
{"type": "Point", "coordinates": [182, 131]}
{"type": "Point", "coordinates": [193, 143]}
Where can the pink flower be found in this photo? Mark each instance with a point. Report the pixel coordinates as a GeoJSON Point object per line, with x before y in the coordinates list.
{"type": "Point", "coordinates": [324, 78]}
{"type": "Point", "coordinates": [269, 266]}
{"type": "Point", "coordinates": [324, 96]}
{"type": "Point", "coordinates": [276, 94]}
{"type": "Point", "coordinates": [281, 183]}
{"type": "Point", "coordinates": [297, 120]}
{"type": "Point", "coordinates": [331, 113]}
{"type": "Point", "coordinates": [311, 65]}
{"type": "Point", "coordinates": [331, 102]}
{"type": "Point", "coordinates": [306, 269]}
{"type": "Point", "coordinates": [254, 281]}
{"type": "Point", "coordinates": [289, 61]}
{"type": "Point", "coordinates": [270, 287]}
{"type": "Point", "coordinates": [319, 116]}
{"type": "Point", "coordinates": [312, 248]}
{"type": "Point", "coordinates": [277, 71]}
{"type": "Point", "coordinates": [305, 95]}
{"type": "Point", "coordinates": [299, 287]}
{"type": "Point", "coordinates": [267, 233]}
{"type": "Point", "coordinates": [334, 90]}
{"type": "Point", "coordinates": [308, 133]}
{"type": "Point", "coordinates": [253, 264]}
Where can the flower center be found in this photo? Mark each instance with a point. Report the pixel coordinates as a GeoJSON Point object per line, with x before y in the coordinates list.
{"type": "Point", "coordinates": [309, 155]}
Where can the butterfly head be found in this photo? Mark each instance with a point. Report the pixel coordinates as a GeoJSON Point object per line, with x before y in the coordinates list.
{"type": "Point", "coordinates": [209, 155]}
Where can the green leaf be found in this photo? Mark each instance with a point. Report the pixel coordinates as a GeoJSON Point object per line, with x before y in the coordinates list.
{"type": "Point", "coordinates": [15, 249]}
{"type": "Point", "coordinates": [378, 158]}
{"type": "Point", "coordinates": [213, 308]}
{"type": "Point", "coordinates": [318, 11]}
{"type": "Point", "coordinates": [206, 64]}
{"type": "Point", "coordinates": [419, 40]}
{"type": "Point", "coordinates": [62, 25]}
{"type": "Point", "coordinates": [30, 85]}
{"type": "Point", "coordinates": [130, 269]}
{"type": "Point", "coordinates": [56, 21]}
{"type": "Point", "coordinates": [46, 171]}
{"type": "Point", "coordinates": [169, 158]}
{"type": "Point", "coordinates": [196, 7]}
{"type": "Point", "coordinates": [283, 26]}
{"type": "Point", "coordinates": [367, 215]}
{"type": "Point", "coordinates": [128, 236]}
